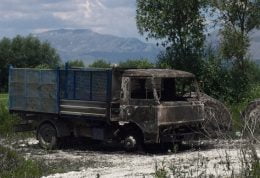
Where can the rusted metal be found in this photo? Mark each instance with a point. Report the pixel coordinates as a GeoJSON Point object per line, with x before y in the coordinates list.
{"type": "Point", "coordinates": [162, 73]}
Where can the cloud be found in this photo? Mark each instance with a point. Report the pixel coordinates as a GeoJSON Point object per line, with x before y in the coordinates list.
{"type": "Point", "coordinates": [116, 17]}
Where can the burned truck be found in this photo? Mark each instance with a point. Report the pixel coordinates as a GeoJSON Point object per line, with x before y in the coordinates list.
{"type": "Point", "coordinates": [129, 106]}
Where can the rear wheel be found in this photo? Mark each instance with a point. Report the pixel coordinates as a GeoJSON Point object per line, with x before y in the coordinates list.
{"type": "Point", "coordinates": [47, 136]}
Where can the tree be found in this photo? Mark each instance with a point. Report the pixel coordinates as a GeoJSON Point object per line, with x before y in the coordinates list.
{"type": "Point", "coordinates": [25, 52]}
{"type": "Point", "coordinates": [238, 18]}
{"type": "Point", "coordinates": [179, 25]}
{"type": "Point", "coordinates": [76, 63]}
{"type": "Point", "coordinates": [100, 64]}
{"type": "Point", "coordinates": [138, 64]}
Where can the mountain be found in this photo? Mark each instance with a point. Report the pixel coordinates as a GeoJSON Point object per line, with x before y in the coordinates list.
{"type": "Point", "coordinates": [213, 39]}
{"type": "Point", "coordinates": [88, 45]}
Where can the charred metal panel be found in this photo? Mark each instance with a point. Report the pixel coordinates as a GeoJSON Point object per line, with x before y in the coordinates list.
{"type": "Point", "coordinates": [125, 91]}
{"type": "Point", "coordinates": [116, 85]}
{"type": "Point", "coordinates": [33, 90]}
{"type": "Point", "coordinates": [179, 112]}
{"type": "Point", "coordinates": [143, 116]}
{"type": "Point", "coordinates": [83, 108]}
{"type": "Point", "coordinates": [166, 73]}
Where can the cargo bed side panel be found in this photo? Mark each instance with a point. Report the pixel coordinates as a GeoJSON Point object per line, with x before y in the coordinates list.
{"type": "Point", "coordinates": [33, 90]}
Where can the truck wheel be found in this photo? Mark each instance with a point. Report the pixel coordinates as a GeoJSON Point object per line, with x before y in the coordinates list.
{"type": "Point", "coordinates": [131, 143]}
{"type": "Point", "coordinates": [47, 136]}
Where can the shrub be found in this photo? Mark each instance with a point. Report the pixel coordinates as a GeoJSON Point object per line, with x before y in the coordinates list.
{"type": "Point", "coordinates": [6, 121]}
{"type": "Point", "coordinates": [13, 165]}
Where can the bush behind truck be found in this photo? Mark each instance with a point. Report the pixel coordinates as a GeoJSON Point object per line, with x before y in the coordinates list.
{"type": "Point", "coordinates": [129, 106]}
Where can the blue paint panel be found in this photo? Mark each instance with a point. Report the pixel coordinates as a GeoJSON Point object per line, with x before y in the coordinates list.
{"type": "Point", "coordinates": [41, 90]}
{"type": "Point", "coordinates": [87, 85]}
{"type": "Point", "coordinates": [33, 90]}
{"type": "Point", "coordinates": [82, 86]}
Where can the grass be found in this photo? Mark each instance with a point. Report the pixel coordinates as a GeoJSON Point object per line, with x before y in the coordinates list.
{"type": "Point", "coordinates": [248, 161]}
{"type": "Point", "coordinates": [4, 99]}
{"type": "Point", "coordinates": [11, 163]}
{"type": "Point", "coordinates": [14, 165]}
{"type": "Point", "coordinates": [236, 109]}
{"type": "Point", "coordinates": [6, 119]}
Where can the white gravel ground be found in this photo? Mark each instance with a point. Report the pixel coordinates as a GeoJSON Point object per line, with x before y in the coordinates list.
{"type": "Point", "coordinates": [220, 160]}
{"type": "Point", "coordinates": [193, 164]}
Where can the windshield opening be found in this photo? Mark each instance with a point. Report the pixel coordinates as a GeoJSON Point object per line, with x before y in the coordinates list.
{"type": "Point", "coordinates": [175, 89]}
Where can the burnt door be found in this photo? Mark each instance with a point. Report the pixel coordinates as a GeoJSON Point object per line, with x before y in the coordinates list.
{"type": "Point", "coordinates": [138, 103]}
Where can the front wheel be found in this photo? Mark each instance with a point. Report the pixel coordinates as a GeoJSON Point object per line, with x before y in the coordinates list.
{"type": "Point", "coordinates": [47, 136]}
{"type": "Point", "coordinates": [132, 142]}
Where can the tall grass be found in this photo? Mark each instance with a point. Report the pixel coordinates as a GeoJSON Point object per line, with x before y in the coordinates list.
{"type": "Point", "coordinates": [4, 99]}
{"type": "Point", "coordinates": [6, 119]}
{"type": "Point", "coordinates": [237, 108]}
{"type": "Point", "coordinates": [14, 165]}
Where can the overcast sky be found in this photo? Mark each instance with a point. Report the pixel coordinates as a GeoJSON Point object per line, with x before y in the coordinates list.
{"type": "Point", "coordinates": [116, 17]}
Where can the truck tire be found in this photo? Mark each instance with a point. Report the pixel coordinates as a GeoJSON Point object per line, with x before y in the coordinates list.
{"type": "Point", "coordinates": [47, 136]}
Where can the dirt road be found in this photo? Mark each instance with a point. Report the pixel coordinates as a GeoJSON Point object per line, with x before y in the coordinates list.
{"type": "Point", "coordinates": [218, 158]}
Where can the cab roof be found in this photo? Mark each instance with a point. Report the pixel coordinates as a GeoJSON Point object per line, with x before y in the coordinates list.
{"type": "Point", "coordinates": [160, 73]}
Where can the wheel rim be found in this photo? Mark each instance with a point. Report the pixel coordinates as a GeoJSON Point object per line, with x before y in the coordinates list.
{"type": "Point", "coordinates": [47, 135]}
{"type": "Point", "coordinates": [130, 143]}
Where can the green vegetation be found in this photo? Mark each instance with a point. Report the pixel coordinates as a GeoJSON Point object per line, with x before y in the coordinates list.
{"type": "Point", "coordinates": [100, 64]}
{"type": "Point", "coordinates": [137, 64]}
{"type": "Point", "coordinates": [25, 52]}
{"type": "Point", "coordinates": [76, 63]}
{"type": "Point", "coordinates": [180, 27]}
{"type": "Point", "coordinates": [249, 165]}
{"type": "Point", "coordinates": [227, 72]}
{"type": "Point", "coordinates": [14, 165]}
{"type": "Point", "coordinates": [3, 99]}
{"type": "Point", "coordinates": [6, 120]}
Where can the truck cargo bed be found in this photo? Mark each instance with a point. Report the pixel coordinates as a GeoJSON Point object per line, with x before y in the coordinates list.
{"type": "Point", "coordinates": [81, 92]}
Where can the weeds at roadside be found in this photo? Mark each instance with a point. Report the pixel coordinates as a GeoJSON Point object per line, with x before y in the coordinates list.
{"type": "Point", "coordinates": [13, 165]}
{"type": "Point", "coordinates": [6, 121]}
{"type": "Point", "coordinates": [244, 162]}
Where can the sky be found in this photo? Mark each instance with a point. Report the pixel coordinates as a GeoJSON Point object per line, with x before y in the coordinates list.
{"type": "Point", "coordinates": [116, 17]}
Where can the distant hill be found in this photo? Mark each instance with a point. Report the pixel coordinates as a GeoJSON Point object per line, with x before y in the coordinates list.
{"type": "Point", "coordinates": [88, 45]}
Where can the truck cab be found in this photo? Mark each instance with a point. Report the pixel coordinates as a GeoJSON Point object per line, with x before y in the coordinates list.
{"type": "Point", "coordinates": [164, 104]}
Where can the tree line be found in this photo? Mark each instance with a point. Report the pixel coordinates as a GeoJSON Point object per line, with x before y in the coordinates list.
{"type": "Point", "coordinates": [25, 52]}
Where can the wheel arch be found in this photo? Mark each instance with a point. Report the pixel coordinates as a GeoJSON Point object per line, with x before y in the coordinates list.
{"type": "Point", "coordinates": [60, 126]}
{"type": "Point", "coordinates": [133, 126]}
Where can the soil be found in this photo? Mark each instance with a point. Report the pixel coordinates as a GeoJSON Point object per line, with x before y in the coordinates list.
{"type": "Point", "coordinates": [82, 158]}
